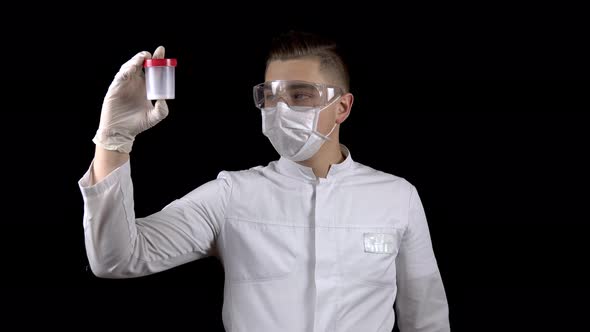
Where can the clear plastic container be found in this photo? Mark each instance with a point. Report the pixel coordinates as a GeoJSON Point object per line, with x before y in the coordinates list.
{"type": "Point", "coordinates": [159, 78]}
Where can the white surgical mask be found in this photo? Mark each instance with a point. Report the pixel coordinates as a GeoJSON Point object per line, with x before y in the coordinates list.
{"type": "Point", "coordinates": [293, 130]}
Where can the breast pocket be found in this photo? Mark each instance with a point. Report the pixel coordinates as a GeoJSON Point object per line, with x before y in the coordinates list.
{"type": "Point", "coordinates": [256, 251]}
{"type": "Point", "coordinates": [367, 254]}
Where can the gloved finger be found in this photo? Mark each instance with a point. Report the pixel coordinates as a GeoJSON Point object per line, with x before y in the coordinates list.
{"type": "Point", "coordinates": [159, 52]}
{"type": "Point", "coordinates": [133, 66]}
{"type": "Point", "coordinates": [158, 113]}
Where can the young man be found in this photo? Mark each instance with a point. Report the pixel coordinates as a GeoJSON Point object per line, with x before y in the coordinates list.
{"type": "Point", "coordinates": [311, 242]}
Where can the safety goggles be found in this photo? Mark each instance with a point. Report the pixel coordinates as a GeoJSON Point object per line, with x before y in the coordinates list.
{"type": "Point", "coordinates": [294, 94]}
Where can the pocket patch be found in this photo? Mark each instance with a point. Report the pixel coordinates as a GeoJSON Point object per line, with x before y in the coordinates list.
{"type": "Point", "coordinates": [379, 243]}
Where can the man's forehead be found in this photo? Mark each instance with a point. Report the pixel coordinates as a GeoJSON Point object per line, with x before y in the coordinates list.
{"type": "Point", "coordinates": [307, 69]}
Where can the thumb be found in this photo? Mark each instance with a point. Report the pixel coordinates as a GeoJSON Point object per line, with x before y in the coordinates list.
{"type": "Point", "coordinates": [159, 52]}
{"type": "Point", "coordinates": [158, 113]}
{"type": "Point", "coordinates": [133, 66]}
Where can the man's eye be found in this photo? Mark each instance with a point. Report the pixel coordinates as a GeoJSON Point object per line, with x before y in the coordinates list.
{"type": "Point", "coordinates": [301, 96]}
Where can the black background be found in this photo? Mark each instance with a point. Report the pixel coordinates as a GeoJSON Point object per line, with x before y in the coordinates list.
{"type": "Point", "coordinates": [483, 109]}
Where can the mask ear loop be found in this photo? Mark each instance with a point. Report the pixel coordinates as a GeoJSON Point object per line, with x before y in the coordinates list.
{"type": "Point", "coordinates": [326, 137]}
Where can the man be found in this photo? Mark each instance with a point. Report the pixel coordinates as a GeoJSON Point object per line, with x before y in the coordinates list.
{"type": "Point", "coordinates": [311, 242]}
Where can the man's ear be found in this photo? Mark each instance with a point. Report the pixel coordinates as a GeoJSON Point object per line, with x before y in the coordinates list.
{"type": "Point", "coordinates": [344, 107]}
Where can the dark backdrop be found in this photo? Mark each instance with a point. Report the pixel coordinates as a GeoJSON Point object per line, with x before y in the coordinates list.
{"type": "Point", "coordinates": [483, 109]}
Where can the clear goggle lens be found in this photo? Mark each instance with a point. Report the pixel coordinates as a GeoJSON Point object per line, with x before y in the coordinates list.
{"type": "Point", "coordinates": [294, 94]}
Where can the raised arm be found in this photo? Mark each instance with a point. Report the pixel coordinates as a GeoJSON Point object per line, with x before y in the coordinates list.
{"type": "Point", "coordinates": [118, 244]}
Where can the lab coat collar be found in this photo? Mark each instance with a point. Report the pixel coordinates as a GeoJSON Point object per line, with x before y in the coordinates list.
{"type": "Point", "coordinates": [293, 169]}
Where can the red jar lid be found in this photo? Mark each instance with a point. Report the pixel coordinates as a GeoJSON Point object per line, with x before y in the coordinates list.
{"type": "Point", "coordinates": [159, 63]}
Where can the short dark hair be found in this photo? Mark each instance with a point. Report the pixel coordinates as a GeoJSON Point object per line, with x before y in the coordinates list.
{"type": "Point", "coordinates": [297, 44]}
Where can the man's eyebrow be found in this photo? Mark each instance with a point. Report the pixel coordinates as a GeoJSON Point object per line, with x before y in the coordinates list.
{"type": "Point", "coordinates": [301, 86]}
{"type": "Point", "coordinates": [268, 87]}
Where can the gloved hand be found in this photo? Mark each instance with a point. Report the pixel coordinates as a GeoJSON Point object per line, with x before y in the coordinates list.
{"type": "Point", "coordinates": [126, 111]}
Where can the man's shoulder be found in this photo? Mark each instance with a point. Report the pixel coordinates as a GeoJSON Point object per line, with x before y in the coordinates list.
{"type": "Point", "coordinates": [248, 173]}
{"type": "Point", "coordinates": [375, 175]}
{"type": "Point", "coordinates": [369, 171]}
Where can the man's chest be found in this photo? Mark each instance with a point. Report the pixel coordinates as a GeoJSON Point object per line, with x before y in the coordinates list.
{"type": "Point", "coordinates": [322, 232]}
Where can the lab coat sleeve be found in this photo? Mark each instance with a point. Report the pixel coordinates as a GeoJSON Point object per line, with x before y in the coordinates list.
{"type": "Point", "coordinates": [421, 302]}
{"type": "Point", "coordinates": [119, 245]}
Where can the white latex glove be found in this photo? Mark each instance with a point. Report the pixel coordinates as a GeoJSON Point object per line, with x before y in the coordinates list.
{"type": "Point", "coordinates": [126, 111]}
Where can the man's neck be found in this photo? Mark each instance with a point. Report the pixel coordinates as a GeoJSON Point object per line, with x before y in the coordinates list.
{"type": "Point", "coordinates": [330, 153]}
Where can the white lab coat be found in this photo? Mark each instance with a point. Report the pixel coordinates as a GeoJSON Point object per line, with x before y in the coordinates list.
{"type": "Point", "coordinates": [300, 253]}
